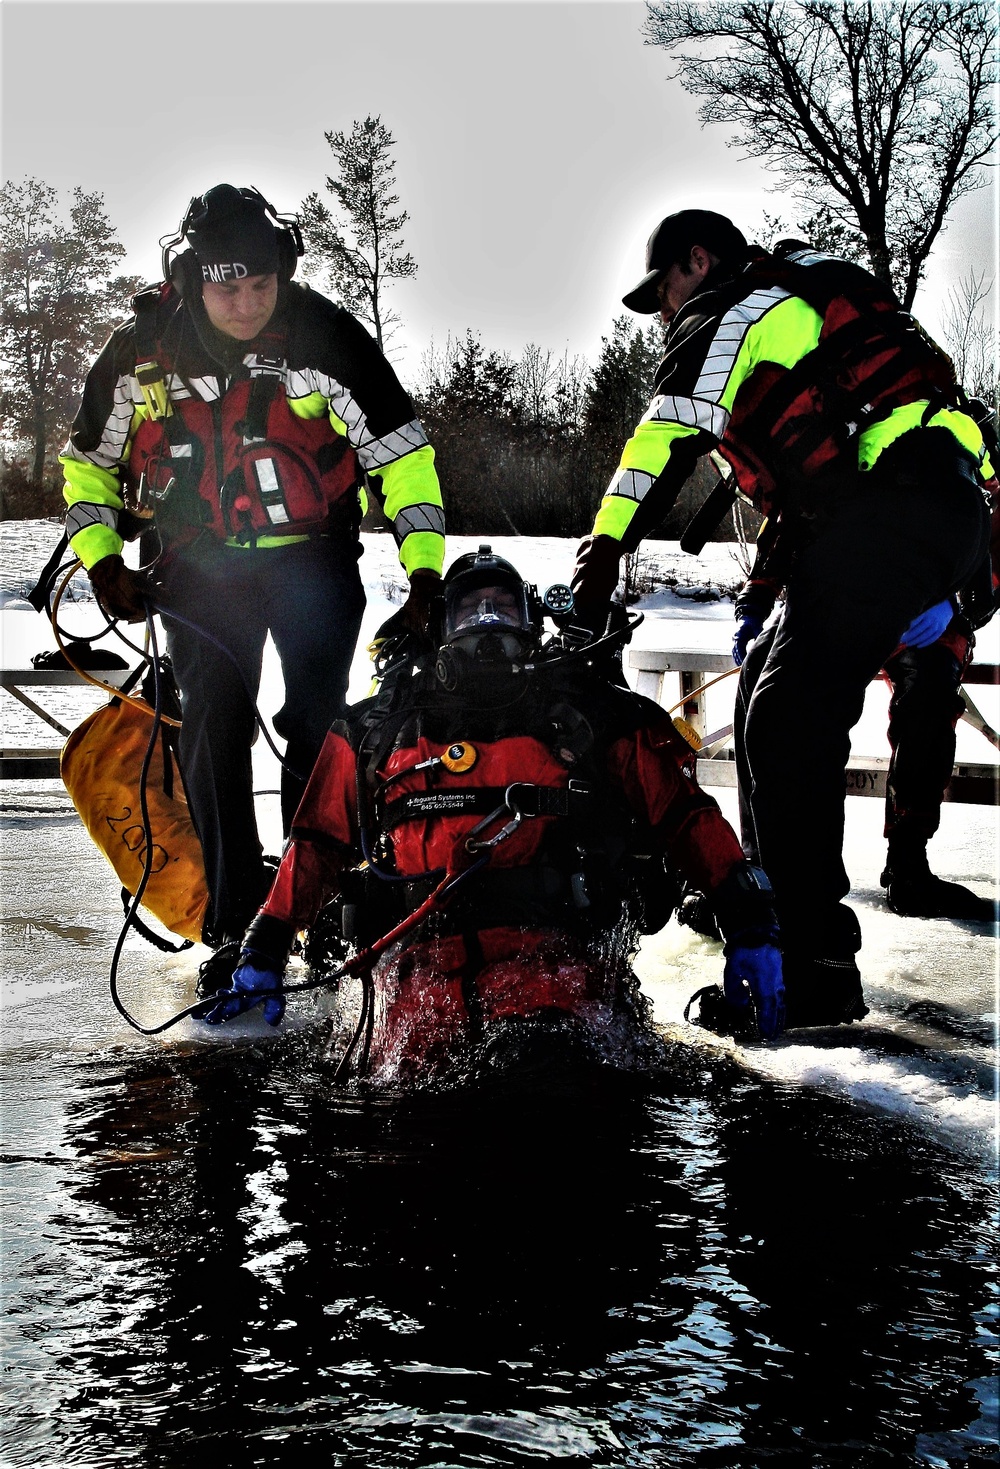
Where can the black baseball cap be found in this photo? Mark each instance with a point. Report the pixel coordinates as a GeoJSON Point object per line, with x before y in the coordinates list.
{"type": "Point", "coordinates": [672, 241]}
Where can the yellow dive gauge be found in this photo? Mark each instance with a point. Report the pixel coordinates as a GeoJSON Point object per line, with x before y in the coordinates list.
{"type": "Point", "coordinates": [459, 758]}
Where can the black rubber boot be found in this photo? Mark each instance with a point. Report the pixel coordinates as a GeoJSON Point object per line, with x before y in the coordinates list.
{"type": "Point", "coordinates": [715, 1013]}
{"type": "Point", "coordinates": [914, 892]}
{"type": "Point", "coordinates": [822, 991]}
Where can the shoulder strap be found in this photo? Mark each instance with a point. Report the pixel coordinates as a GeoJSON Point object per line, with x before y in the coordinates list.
{"type": "Point", "coordinates": [42, 590]}
{"type": "Point", "coordinates": [264, 388]}
{"type": "Point", "coordinates": [819, 279]}
{"type": "Point", "coordinates": [149, 372]}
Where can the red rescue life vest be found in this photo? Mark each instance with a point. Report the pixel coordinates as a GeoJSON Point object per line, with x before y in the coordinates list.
{"type": "Point", "coordinates": [243, 465]}
{"type": "Point", "coordinates": [791, 426]}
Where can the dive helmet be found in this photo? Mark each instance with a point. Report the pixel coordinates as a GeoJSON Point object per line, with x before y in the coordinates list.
{"type": "Point", "coordinates": [488, 615]}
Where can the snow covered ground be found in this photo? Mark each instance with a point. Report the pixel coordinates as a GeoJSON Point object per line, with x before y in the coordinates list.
{"type": "Point", "coordinates": [927, 1053]}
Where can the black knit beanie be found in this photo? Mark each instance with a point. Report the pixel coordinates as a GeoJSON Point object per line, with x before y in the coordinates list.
{"type": "Point", "coordinates": [231, 235]}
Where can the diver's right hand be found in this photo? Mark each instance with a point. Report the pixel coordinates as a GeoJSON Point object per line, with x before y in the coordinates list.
{"type": "Point", "coordinates": [121, 591]}
{"type": "Point", "coordinates": [928, 627]}
{"type": "Point", "coordinates": [254, 982]}
{"type": "Point", "coordinates": [753, 978]}
{"type": "Point", "coordinates": [595, 578]}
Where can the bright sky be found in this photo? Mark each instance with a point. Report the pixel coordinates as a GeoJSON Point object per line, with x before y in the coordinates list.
{"type": "Point", "coordinates": [537, 144]}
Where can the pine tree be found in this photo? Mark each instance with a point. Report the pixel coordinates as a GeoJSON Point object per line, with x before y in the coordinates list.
{"type": "Point", "coordinates": [357, 262]}
{"type": "Point", "coordinates": [617, 392]}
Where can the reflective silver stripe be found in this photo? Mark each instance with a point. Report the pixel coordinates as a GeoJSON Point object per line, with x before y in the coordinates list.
{"type": "Point", "coordinates": [418, 518]}
{"type": "Point", "coordinates": [812, 257]}
{"type": "Point", "coordinates": [208, 388]}
{"type": "Point", "coordinates": [270, 492]}
{"type": "Point", "coordinates": [376, 453]}
{"type": "Point", "coordinates": [111, 449]}
{"type": "Point", "coordinates": [179, 451]}
{"type": "Point", "coordinates": [729, 337]}
{"type": "Point", "coordinates": [301, 384]}
{"type": "Point", "coordinates": [373, 453]}
{"type": "Point", "coordinates": [84, 513]}
{"type": "Point", "coordinates": [688, 411]}
{"type": "Point", "coordinates": [631, 484]}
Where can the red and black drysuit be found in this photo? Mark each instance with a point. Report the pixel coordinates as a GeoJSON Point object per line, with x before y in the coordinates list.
{"type": "Point", "coordinates": [609, 786]}
{"type": "Point", "coordinates": [253, 476]}
{"type": "Point", "coordinates": [838, 418]}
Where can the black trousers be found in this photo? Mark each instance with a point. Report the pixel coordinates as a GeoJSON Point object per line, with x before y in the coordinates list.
{"type": "Point", "coordinates": [895, 541]}
{"type": "Point", "coordinates": [309, 597]}
{"type": "Point", "coordinates": [923, 712]}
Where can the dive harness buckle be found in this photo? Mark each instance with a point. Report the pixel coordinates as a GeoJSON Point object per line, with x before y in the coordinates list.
{"type": "Point", "coordinates": [521, 799]}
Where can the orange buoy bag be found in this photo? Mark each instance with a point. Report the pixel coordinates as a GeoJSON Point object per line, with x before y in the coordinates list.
{"type": "Point", "coordinates": [101, 764]}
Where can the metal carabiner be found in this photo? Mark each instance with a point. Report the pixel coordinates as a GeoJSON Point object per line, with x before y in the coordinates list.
{"type": "Point", "coordinates": [471, 845]}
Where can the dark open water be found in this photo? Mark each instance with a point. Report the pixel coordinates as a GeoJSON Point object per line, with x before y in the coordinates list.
{"type": "Point", "coordinates": [212, 1260]}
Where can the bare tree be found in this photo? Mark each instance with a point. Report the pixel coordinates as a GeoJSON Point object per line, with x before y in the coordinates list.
{"type": "Point", "coordinates": [882, 112]}
{"type": "Point", "coordinates": [971, 337]}
{"type": "Point", "coordinates": [436, 365]}
{"type": "Point", "coordinates": [60, 300]}
{"type": "Point", "coordinates": [358, 264]}
{"type": "Point", "coordinates": [536, 380]}
{"type": "Point", "coordinates": [821, 229]}
{"type": "Point", "coordinates": [569, 390]}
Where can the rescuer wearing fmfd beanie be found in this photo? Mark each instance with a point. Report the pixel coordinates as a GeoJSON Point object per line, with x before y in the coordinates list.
{"type": "Point", "coordinates": [243, 416]}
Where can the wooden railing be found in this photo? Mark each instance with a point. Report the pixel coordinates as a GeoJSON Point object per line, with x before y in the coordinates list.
{"type": "Point", "coordinates": [866, 775]}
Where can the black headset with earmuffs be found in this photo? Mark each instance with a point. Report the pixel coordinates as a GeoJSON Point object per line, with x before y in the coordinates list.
{"type": "Point", "coordinates": [180, 266]}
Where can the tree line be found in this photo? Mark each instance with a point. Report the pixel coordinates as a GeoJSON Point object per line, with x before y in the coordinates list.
{"type": "Point", "coordinates": [525, 445]}
{"type": "Point", "coordinates": [876, 118]}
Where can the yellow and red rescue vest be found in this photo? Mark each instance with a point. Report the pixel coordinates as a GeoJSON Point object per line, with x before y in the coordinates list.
{"type": "Point", "coordinates": [243, 465]}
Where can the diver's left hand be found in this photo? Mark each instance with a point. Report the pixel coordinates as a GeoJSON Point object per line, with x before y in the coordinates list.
{"type": "Point", "coordinates": [254, 982]}
{"type": "Point", "coordinates": [752, 977]}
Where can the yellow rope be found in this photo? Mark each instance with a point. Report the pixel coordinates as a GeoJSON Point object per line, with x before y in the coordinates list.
{"type": "Point", "coordinates": [694, 692]}
{"type": "Point", "coordinates": [88, 677]}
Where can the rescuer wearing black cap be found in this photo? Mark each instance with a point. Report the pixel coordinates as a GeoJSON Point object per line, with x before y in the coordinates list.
{"type": "Point", "coordinates": [239, 413]}
{"type": "Point", "coordinates": [669, 247]}
{"type": "Point", "coordinates": [843, 423]}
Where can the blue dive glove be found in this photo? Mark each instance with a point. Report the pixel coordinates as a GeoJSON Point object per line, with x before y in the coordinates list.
{"type": "Point", "coordinates": [752, 977]}
{"type": "Point", "coordinates": [255, 976]}
{"type": "Point", "coordinates": [929, 626]}
{"type": "Point", "coordinates": [750, 626]}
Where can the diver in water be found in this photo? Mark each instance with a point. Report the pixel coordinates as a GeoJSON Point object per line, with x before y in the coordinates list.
{"type": "Point", "coordinates": [556, 806]}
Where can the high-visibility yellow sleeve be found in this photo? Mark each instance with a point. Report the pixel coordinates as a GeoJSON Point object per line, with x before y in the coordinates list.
{"type": "Point", "coordinates": [93, 499]}
{"type": "Point", "coordinates": [643, 460]}
{"type": "Point", "coordinates": [412, 501]}
{"type": "Point", "coordinates": [875, 440]}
